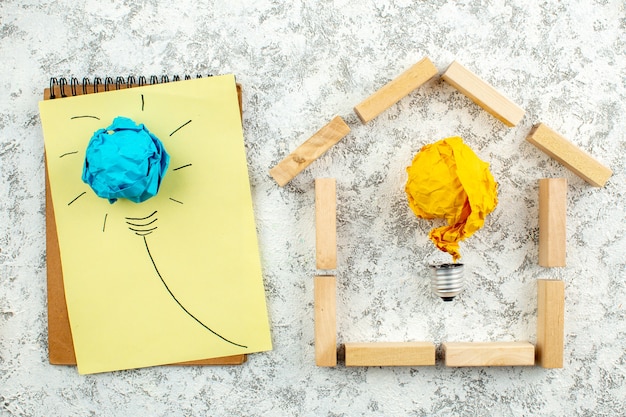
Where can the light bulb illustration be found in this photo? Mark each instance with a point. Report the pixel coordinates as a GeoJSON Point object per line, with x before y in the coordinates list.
{"type": "Point", "coordinates": [127, 161]}
{"type": "Point", "coordinates": [160, 265]}
{"type": "Point", "coordinates": [446, 180]}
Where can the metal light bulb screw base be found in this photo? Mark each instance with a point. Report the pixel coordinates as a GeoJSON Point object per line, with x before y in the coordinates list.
{"type": "Point", "coordinates": [447, 280]}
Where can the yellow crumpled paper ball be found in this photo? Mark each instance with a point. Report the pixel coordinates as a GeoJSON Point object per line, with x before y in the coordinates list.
{"type": "Point", "coordinates": [447, 180]}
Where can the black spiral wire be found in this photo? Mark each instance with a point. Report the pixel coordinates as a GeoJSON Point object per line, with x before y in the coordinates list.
{"type": "Point", "coordinates": [87, 86]}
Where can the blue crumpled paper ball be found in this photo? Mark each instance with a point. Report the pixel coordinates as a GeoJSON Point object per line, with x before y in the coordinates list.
{"type": "Point", "coordinates": [125, 160]}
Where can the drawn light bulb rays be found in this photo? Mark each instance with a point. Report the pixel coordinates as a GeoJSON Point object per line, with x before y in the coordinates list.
{"type": "Point", "coordinates": [180, 127]}
{"type": "Point", "coordinates": [95, 117]}
{"type": "Point", "coordinates": [82, 193]}
{"type": "Point", "coordinates": [144, 226]}
{"type": "Point", "coordinates": [85, 117]}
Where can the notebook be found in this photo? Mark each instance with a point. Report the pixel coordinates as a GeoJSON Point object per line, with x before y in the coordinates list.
{"type": "Point", "coordinates": [61, 348]}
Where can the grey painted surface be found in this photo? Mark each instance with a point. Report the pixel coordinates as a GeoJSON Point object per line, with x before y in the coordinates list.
{"type": "Point", "coordinates": [301, 63]}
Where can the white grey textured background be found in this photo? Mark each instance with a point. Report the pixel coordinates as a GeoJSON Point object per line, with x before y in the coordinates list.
{"type": "Point", "coordinates": [300, 64]}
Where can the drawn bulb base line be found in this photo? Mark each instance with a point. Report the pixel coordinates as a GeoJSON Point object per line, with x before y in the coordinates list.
{"type": "Point", "coordinates": [142, 226]}
{"type": "Point", "coordinates": [447, 280]}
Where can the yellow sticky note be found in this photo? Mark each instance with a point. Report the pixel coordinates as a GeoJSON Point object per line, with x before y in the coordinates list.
{"type": "Point", "coordinates": [177, 277]}
{"type": "Point", "coordinates": [447, 180]}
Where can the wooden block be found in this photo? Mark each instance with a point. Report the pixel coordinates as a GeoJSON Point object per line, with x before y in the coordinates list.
{"type": "Point", "coordinates": [325, 321]}
{"type": "Point", "coordinates": [550, 318]}
{"type": "Point", "coordinates": [326, 223]}
{"type": "Point", "coordinates": [489, 354]}
{"type": "Point", "coordinates": [552, 219]}
{"type": "Point", "coordinates": [390, 354]}
{"type": "Point", "coordinates": [395, 90]}
{"type": "Point", "coordinates": [570, 155]}
{"type": "Point", "coordinates": [483, 94]}
{"type": "Point", "coordinates": [309, 151]}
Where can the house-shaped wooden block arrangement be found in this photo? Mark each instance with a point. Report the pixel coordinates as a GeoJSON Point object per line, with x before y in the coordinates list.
{"type": "Point", "coordinates": [549, 347]}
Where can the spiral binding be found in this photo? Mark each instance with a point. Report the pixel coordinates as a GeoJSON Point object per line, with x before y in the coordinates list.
{"type": "Point", "coordinates": [63, 86]}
